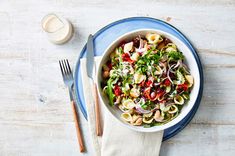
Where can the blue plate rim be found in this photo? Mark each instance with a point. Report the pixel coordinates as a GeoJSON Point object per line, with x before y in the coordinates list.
{"type": "Point", "coordinates": [197, 103]}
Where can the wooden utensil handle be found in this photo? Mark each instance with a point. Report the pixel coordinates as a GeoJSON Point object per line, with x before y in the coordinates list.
{"type": "Point", "coordinates": [97, 112]}
{"type": "Point", "coordinates": [79, 134]}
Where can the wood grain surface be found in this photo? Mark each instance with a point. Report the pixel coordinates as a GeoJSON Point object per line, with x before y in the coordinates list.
{"type": "Point", "coordinates": [35, 117]}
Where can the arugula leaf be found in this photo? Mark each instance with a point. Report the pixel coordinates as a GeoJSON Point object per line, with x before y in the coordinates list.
{"type": "Point", "coordinates": [120, 50]}
{"type": "Point", "coordinates": [176, 55]}
{"type": "Point", "coordinates": [110, 92]}
{"type": "Point", "coordinates": [186, 96]}
{"type": "Point", "coordinates": [147, 105]}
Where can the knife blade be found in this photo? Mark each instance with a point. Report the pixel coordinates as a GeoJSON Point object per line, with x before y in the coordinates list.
{"type": "Point", "coordinates": [91, 72]}
{"type": "Point", "coordinates": [90, 57]}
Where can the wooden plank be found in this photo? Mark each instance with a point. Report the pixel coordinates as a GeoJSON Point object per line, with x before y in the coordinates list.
{"type": "Point", "coordinates": [35, 117]}
{"type": "Point", "coordinates": [196, 139]}
{"type": "Point", "coordinates": [40, 139]}
{"type": "Point", "coordinates": [203, 140]}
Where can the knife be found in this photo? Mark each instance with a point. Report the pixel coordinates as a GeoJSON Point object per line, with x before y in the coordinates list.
{"type": "Point", "coordinates": [91, 72]}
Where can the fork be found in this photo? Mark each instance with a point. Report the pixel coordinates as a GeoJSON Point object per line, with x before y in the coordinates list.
{"type": "Point", "coordinates": [68, 81]}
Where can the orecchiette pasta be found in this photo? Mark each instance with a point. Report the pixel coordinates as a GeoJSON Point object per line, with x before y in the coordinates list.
{"type": "Point", "coordinates": [126, 116]}
{"type": "Point", "coordinates": [153, 38]}
{"type": "Point", "coordinates": [179, 100]}
{"type": "Point", "coordinates": [189, 78]}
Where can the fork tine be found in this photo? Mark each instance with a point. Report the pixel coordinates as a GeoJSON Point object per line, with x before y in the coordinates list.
{"type": "Point", "coordinates": [70, 71]}
{"type": "Point", "coordinates": [61, 68]}
{"type": "Point", "coordinates": [66, 68]}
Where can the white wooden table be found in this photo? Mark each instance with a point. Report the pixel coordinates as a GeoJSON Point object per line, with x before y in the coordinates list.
{"type": "Point", "coordinates": [35, 115]}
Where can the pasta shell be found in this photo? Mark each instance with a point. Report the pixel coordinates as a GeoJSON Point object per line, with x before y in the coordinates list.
{"type": "Point", "coordinates": [138, 122]}
{"type": "Point", "coordinates": [126, 117]}
{"type": "Point", "coordinates": [164, 108]}
{"type": "Point", "coordinates": [189, 78]}
{"type": "Point", "coordinates": [153, 38]}
{"type": "Point", "coordinates": [128, 104]}
{"type": "Point", "coordinates": [124, 110]}
{"type": "Point", "coordinates": [134, 93]}
{"type": "Point", "coordinates": [158, 71]}
{"type": "Point", "coordinates": [171, 47]}
{"type": "Point", "coordinates": [173, 109]}
{"type": "Point", "coordinates": [118, 100]}
{"type": "Point", "coordinates": [161, 98]}
{"type": "Point", "coordinates": [147, 120]}
{"type": "Point", "coordinates": [128, 47]}
{"type": "Point", "coordinates": [134, 118]}
{"type": "Point", "coordinates": [121, 108]}
{"type": "Point", "coordinates": [135, 56]}
{"type": "Point", "coordinates": [179, 100]}
{"type": "Point", "coordinates": [139, 78]}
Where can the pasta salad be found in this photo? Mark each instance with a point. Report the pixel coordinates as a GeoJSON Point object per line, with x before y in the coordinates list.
{"type": "Point", "coordinates": [147, 79]}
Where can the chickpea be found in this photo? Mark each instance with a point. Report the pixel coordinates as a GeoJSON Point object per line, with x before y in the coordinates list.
{"type": "Point", "coordinates": [157, 116]}
{"type": "Point", "coordinates": [135, 118]}
{"type": "Point", "coordinates": [138, 121]}
{"type": "Point", "coordinates": [105, 74]}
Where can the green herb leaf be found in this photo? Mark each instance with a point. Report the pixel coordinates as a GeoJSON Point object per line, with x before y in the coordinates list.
{"type": "Point", "coordinates": [120, 50]}
{"type": "Point", "coordinates": [110, 92]}
{"type": "Point", "coordinates": [176, 55]}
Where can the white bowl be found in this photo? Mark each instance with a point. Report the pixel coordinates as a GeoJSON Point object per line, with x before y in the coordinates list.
{"type": "Point", "coordinates": [190, 61]}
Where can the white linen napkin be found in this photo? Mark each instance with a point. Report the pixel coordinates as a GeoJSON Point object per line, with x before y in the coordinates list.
{"type": "Point", "coordinates": [116, 140]}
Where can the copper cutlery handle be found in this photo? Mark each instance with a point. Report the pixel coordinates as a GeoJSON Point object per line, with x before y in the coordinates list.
{"type": "Point", "coordinates": [78, 129]}
{"type": "Point", "coordinates": [97, 112]}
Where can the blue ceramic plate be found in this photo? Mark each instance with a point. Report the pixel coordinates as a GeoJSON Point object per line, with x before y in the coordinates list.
{"type": "Point", "coordinates": [104, 37]}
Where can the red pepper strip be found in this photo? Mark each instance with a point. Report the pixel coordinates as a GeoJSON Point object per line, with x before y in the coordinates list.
{"type": "Point", "coordinates": [148, 83]}
{"type": "Point", "coordinates": [117, 90]}
{"type": "Point", "coordinates": [126, 58]}
{"type": "Point", "coordinates": [147, 93]}
{"type": "Point", "coordinates": [167, 82]}
{"type": "Point", "coordinates": [159, 93]}
{"type": "Point", "coordinates": [181, 87]}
